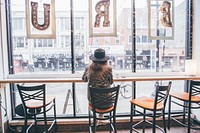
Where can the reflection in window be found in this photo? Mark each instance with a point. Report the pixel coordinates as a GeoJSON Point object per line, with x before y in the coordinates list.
{"type": "Point", "coordinates": [79, 23]}
{"type": "Point", "coordinates": [39, 43]}
{"type": "Point", "coordinates": [19, 42]}
{"type": "Point", "coordinates": [137, 39]}
{"type": "Point", "coordinates": [62, 41]}
{"type": "Point", "coordinates": [106, 40]}
{"type": "Point", "coordinates": [129, 23]}
{"type": "Point", "coordinates": [144, 39]}
{"type": "Point", "coordinates": [118, 39]}
{"type": "Point", "coordinates": [130, 39]}
{"type": "Point", "coordinates": [18, 24]}
{"type": "Point", "coordinates": [95, 40]}
{"type": "Point", "coordinates": [44, 42]}
{"type": "Point", "coordinates": [64, 23]}
{"type": "Point", "coordinates": [50, 43]}
{"type": "Point", "coordinates": [35, 43]}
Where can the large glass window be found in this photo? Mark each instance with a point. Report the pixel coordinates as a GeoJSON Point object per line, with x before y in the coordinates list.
{"type": "Point", "coordinates": [54, 56]}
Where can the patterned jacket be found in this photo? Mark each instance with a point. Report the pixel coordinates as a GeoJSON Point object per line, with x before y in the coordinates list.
{"type": "Point", "coordinates": [98, 77]}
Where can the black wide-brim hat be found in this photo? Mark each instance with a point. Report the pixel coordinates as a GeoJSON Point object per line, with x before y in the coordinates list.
{"type": "Point", "coordinates": [99, 55]}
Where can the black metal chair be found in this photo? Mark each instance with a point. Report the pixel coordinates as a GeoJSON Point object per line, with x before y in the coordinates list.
{"type": "Point", "coordinates": [155, 107]}
{"type": "Point", "coordinates": [188, 100]}
{"type": "Point", "coordinates": [37, 104]}
{"type": "Point", "coordinates": [103, 101]}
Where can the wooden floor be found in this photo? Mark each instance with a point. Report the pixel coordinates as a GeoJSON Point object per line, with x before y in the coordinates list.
{"type": "Point", "coordinates": [172, 130]}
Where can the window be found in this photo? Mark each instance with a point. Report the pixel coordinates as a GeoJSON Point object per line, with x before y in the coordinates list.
{"type": "Point", "coordinates": [40, 43]}
{"type": "Point", "coordinates": [64, 23]}
{"type": "Point", "coordinates": [18, 23]}
{"type": "Point", "coordinates": [130, 38]}
{"type": "Point", "coordinates": [20, 42]}
{"type": "Point", "coordinates": [79, 23]}
{"type": "Point", "coordinates": [150, 41]}
{"type": "Point", "coordinates": [144, 39]}
{"type": "Point", "coordinates": [138, 22]}
{"type": "Point", "coordinates": [54, 56]}
{"type": "Point", "coordinates": [82, 23]}
{"type": "Point", "coordinates": [129, 23]}
{"type": "Point", "coordinates": [106, 40]}
{"type": "Point", "coordinates": [35, 43]}
{"type": "Point", "coordinates": [118, 39]}
{"type": "Point", "coordinates": [50, 43]}
{"type": "Point", "coordinates": [44, 42]}
{"type": "Point", "coordinates": [62, 41]}
{"type": "Point", "coordinates": [137, 39]}
{"type": "Point", "coordinates": [95, 40]}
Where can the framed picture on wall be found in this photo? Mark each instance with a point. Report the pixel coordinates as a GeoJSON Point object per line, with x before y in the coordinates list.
{"type": "Point", "coordinates": [161, 19]}
{"type": "Point", "coordinates": [102, 18]}
{"type": "Point", "coordinates": [40, 19]}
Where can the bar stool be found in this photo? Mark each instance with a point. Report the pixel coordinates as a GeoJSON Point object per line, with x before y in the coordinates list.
{"type": "Point", "coordinates": [34, 98]}
{"type": "Point", "coordinates": [187, 100]}
{"type": "Point", "coordinates": [155, 106]}
{"type": "Point", "coordinates": [103, 101]}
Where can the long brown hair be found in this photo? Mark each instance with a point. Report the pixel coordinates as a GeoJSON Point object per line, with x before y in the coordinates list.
{"type": "Point", "coordinates": [99, 65]}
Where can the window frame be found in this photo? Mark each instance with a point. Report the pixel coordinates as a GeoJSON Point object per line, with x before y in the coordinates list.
{"type": "Point", "coordinates": [189, 27]}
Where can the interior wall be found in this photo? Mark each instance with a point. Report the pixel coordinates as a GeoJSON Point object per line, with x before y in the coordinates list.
{"type": "Point", "coordinates": [3, 46]}
{"type": "Point", "coordinates": [196, 40]}
{"type": "Point", "coordinates": [5, 107]}
{"type": "Point", "coordinates": [1, 66]}
{"type": "Point", "coordinates": [1, 57]}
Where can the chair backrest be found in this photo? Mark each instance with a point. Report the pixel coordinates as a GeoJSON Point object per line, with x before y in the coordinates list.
{"type": "Point", "coordinates": [31, 94]}
{"type": "Point", "coordinates": [162, 93]}
{"type": "Point", "coordinates": [102, 98]}
{"type": "Point", "coordinates": [194, 92]}
{"type": "Point", "coordinates": [194, 88]}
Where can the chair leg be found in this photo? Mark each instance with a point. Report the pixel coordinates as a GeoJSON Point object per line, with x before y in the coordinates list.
{"type": "Point", "coordinates": [110, 125]}
{"type": "Point", "coordinates": [131, 118]}
{"type": "Point", "coordinates": [90, 125]}
{"type": "Point", "coordinates": [189, 117]}
{"type": "Point", "coordinates": [154, 122]}
{"type": "Point", "coordinates": [114, 123]}
{"type": "Point", "coordinates": [164, 123]}
{"type": "Point", "coordinates": [25, 124]}
{"type": "Point", "coordinates": [35, 120]}
{"type": "Point", "coordinates": [169, 113]}
{"type": "Point", "coordinates": [45, 121]}
{"type": "Point", "coordinates": [184, 112]}
{"type": "Point", "coordinates": [94, 125]}
{"type": "Point", "coordinates": [144, 123]}
{"type": "Point", "coordinates": [54, 102]}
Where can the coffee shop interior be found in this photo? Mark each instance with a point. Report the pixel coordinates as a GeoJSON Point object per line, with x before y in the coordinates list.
{"type": "Point", "coordinates": [151, 45]}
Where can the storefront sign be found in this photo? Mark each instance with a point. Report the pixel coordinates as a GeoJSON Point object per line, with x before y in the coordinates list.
{"type": "Point", "coordinates": [102, 18]}
{"type": "Point", "coordinates": [40, 19]}
{"type": "Point", "coordinates": [161, 19]}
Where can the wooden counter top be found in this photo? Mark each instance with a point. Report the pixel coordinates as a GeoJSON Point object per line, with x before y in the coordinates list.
{"type": "Point", "coordinates": [117, 78]}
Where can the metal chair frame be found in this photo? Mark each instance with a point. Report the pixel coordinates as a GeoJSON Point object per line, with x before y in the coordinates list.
{"type": "Point", "coordinates": [34, 97]}
{"type": "Point", "coordinates": [161, 96]}
{"type": "Point", "coordinates": [187, 104]}
{"type": "Point", "coordinates": [100, 97]}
